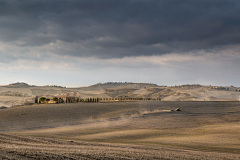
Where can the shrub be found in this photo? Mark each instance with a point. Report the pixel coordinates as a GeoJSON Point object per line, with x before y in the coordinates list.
{"type": "Point", "coordinates": [3, 107]}
{"type": "Point", "coordinates": [47, 99]}
{"type": "Point", "coordinates": [42, 99]}
{"type": "Point", "coordinates": [55, 99]}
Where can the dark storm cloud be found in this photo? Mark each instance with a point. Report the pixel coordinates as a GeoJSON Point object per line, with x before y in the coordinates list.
{"type": "Point", "coordinates": [107, 28]}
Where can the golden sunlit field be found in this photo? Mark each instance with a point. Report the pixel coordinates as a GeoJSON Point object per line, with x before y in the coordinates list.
{"type": "Point", "coordinates": [121, 130]}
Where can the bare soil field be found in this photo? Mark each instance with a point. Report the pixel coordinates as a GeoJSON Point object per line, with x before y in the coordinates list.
{"type": "Point", "coordinates": [121, 130]}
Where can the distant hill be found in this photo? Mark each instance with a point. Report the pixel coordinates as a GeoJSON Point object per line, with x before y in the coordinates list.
{"type": "Point", "coordinates": [127, 85]}
{"type": "Point", "coordinates": [18, 85]}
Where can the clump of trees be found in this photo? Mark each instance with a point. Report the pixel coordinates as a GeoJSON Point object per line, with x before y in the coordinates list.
{"type": "Point", "coordinates": [76, 100]}
{"type": "Point", "coordinates": [90, 100]}
{"type": "Point", "coordinates": [55, 99]}
{"type": "Point", "coordinates": [47, 99]}
{"type": "Point", "coordinates": [42, 99]}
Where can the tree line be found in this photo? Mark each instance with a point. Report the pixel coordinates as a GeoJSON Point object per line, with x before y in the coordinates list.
{"type": "Point", "coordinates": [77, 99]}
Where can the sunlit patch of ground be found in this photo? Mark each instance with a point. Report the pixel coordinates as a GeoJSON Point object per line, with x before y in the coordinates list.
{"type": "Point", "coordinates": [219, 137]}
{"type": "Point", "coordinates": [141, 92]}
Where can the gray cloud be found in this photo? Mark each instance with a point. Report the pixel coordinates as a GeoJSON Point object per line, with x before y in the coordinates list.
{"type": "Point", "coordinates": [119, 28]}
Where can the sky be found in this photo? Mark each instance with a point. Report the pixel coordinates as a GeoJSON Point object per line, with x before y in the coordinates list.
{"type": "Point", "coordinates": [77, 43]}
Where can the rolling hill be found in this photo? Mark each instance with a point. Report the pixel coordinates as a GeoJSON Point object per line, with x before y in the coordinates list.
{"type": "Point", "coordinates": [19, 93]}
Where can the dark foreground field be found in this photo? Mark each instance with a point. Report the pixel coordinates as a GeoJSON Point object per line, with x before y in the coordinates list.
{"type": "Point", "coordinates": [123, 130]}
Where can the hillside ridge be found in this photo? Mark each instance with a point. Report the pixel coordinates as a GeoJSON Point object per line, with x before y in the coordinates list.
{"type": "Point", "coordinates": [19, 93]}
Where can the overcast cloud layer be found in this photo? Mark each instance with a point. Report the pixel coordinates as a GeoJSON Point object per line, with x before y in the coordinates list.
{"type": "Point", "coordinates": [121, 35]}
